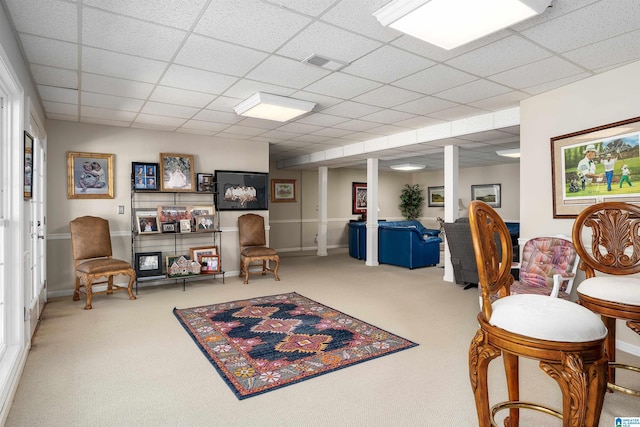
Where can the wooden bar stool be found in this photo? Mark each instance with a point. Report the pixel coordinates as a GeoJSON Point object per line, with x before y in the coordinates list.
{"type": "Point", "coordinates": [566, 338]}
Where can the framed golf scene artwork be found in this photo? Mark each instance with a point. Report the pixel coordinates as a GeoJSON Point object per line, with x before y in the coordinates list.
{"type": "Point", "coordinates": [596, 165]}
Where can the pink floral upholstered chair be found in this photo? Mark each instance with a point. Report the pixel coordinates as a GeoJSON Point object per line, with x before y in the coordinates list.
{"type": "Point", "coordinates": [548, 267]}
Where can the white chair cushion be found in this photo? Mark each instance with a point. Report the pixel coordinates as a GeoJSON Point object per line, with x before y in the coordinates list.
{"type": "Point", "coordinates": [546, 318]}
{"type": "Point", "coordinates": [624, 290]}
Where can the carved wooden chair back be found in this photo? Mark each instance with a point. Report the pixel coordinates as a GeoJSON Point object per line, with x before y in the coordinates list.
{"type": "Point", "coordinates": [253, 241]}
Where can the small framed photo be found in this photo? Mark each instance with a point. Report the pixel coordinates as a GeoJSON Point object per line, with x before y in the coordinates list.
{"type": "Point", "coordinates": [148, 264]}
{"type": "Point", "coordinates": [205, 223]}
{"type": "Point", "coordinates": [169, 227]}
{"type": "Point", "coordinates": [359, 198]}
{"type": "Point", "coordinates": [145, 176]}
{"type": "Point", "coordinates": [168, 213]}
{"type": "Point", "coordinates": [205, 182]}
{"type": "Point", "coordinates": [488, 193]}
{"type": "Point", "coordinates": [435, 196]}
{"type": "Point", "coordinates": [28, 165]}
{"type": "Point", "coordinates": [209, 264]}
{"type": "Point", "coordinates": [147, 222]}
{"type": "Point", "coordinates": [176, 172]}
{"type": "Point", "coordinates": [283, 190]}
{"type": "Point", "coordinates": [181, 265]}
{"type": "Point", "coordinates": [195, 253]}
{"type": "Point", "coordinates": [89, 176]}
{"type": "Point", "coordinates": [185, 226]}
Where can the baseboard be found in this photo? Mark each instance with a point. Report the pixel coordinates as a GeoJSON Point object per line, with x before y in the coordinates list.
{"type": "Point", "coordinates": [628, 348]}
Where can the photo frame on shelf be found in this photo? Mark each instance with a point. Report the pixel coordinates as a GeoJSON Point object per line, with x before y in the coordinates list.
{"type": "Point", "coordinates": [578, 173]}
{"type": "Point", "coordinates": [89, 175]}
{"type": "Point", "coordinates": [284, 190]}
{"type": "Point", "coordinates": [147, 222]}
{"type": "Point", "coordinates": [195, 253]}
{"type": "Point", "coordinates": [170, 213]}
{"type": "Point", "coordinates": [242, 190]}
{"type": "Point", "coordinates": [145, 176]}
{"type": "Point", "coordinates": [181, 265]}
{"type": "Point", "coordinates": [205, 182]}
{"type": "Point", "coordinates": [435, 196]}
{"type": "Point", "coordinates": [209, 264]}
{"type": "Point", "coordinates": [176, 172]}
{"type": "Point", "coordinates": [359, 198]}
{"type": "Point", "coordinates": [148, 264]}
{"type": "Point", "coordinates": [28, 165]}
{"type": "Point", "coordinates": [185, 226]}
{"type": "Point", "coordinates": [169, 227]}
{"type": "Point", "coordinates": [488, 193]}
{"type": "Point", "coordinates": [205, 223]}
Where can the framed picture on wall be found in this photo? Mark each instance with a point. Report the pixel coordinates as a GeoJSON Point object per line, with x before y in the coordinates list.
{"type": "Point", "coordinates": [176, 172]}
{"type": "Point", "coordinates": [28, 165]}
{"type": "Point", "coordinates": [435, 196]}
{"type": "Point", "coordinates": [359, 198]}
{"type": "Point", "coordinates": [283, 190]}
{"type": "Point", "coordinates": [205, 182]}
{"type": "Point", "coordinates": [594, 165]}
{"type": "Point", "coordinates": [145, 176]}
{"type": "Point", "coordinates": [89, 176]}
{"type": "Point", "coordinates": [242, 190]}
{"type": "Point", "coordinates": [488, 193]}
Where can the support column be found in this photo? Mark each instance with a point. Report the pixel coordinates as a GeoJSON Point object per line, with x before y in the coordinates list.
{"type": "Point", "coordinates": [450, 202]}
{"type": "Point", "coordinates": [372, 212]}
{"type": "Point", "coordinates": [323, 172]}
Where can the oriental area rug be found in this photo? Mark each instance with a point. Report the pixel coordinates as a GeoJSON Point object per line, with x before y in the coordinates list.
{"type": "Point", "coordinates": [262, 344]}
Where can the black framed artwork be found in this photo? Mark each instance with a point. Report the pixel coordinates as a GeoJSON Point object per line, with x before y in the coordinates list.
{"type": "Point", "coordinates": [148, 264]}
{"type": "Point", "coordinates": [28, 165]}
{"type": "Point", "coordinates": [242, 190]}
{"type": "Point", "coordinates": [145, 176]}
{"type": "Point", "coordinates": [359, 198]}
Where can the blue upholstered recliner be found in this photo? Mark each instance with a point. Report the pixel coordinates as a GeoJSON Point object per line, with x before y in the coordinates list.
{"type": "Point", "coordinates": [408, 244]}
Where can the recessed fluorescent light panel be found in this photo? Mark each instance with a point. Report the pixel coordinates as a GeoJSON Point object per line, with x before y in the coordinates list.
{"type": "Point", "coordinates": [407, 167]}
{"type": "Point", "coordinates": [514, 153]}
{"type": "Point", "coordinates": [452, 23]}
{"type": "Point", "coordinates": [273, 107]}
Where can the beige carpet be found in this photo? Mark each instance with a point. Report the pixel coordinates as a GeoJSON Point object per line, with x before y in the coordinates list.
{"type": "Point", "coordinates": [130, 363]}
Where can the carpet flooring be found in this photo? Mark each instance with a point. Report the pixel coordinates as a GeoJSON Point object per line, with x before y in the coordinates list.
{"type": "Point", "coordinates": [261, 344]}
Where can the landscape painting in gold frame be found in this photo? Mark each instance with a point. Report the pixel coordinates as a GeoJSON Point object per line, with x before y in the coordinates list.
{"type": "Point", "coordinates": [283, 190]}
{"type": "Point", "coordinates": [89, 175]}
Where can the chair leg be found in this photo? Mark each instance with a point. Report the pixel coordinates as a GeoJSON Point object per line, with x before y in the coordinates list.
{"type": "Point", "coordinates": [87, 281]}
{"type": "Point", "coordinates": [276, 260]}
{"type": "Point", "coordinates": [245, 270]}
{"type": "Point", "coordinates": [511, 368]}
{"type": "Point", "coordinates": [610, 345]}
{"type": "Point", "coordinates": [76, 291]}
{"type": "Point", "coordinates": [110, 285]}
{"type": "Point", "coordinates": [264, 267]}
{"type": "Point", "coordinates": [132, 278]}
{"type": "Point", "coordinates": [583, 387]}
{"type": "Point", "coordinates": [481, 353]}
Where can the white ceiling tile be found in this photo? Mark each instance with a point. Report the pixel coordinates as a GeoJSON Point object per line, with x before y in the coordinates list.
{"type": "Point", "coordinates": [174, 13]}
{"type": "Point", "coordinates": [250, 23]}
{"type": "Point", "coordinates": [183, 129]}
{"type": "Point", "coordinates": [279, 134]}
{"type": "Point", "coordinates": [152, 126]}
{"type": "Point", "coordinates": [50, 52]}
{"type": "Point", "coordinates": [310, 138]}
{"type": "Point", "coordinates": [114, 86]}
{"type": "Point", "coordinates": [328, 41]}
{"type": "Point", "coordinates": [322, 101]}
{"type": "Point", "coordinates": [205, 126]}
{"type": "Point", "coordinates": [357, 16]}
{"type": "Point", "coordinates": [545, 87]}
{"type": "Point", "coordinates": [58, 94]}
{"type": "Point", "coordinates": [557, 8]}
{"type": "Point", "coordinates": [286, 72]}
{"type": "Point", "coordinates": [418, 122]}
{"type": "Point", "coordinates": [435, 79]}
{"type": "Point", "coordinates": [170, 95]}
{"type": "Point", "coordinates": [214, 55]}
{"type": "Point", "coordinates": [52, 18]}
{"type": "Point", "coordinates": [106, 122]}
{"type": "Point", "coordinates": [311, 8]}
{"type": "Point", "coordinates": [456, 113]}
{"type": "Point", "coordinates": [473, 91]}
{"type": "Point", "coordinates": [50, 76]}
{"type": "Point", "coordinates": [217, 116]}
{"type": "Point", "coordinates": [387, 116]}
{"type": "Point", "coordinates": [117, 33]}
{"type": "Point", "coordinates": [387, 130]}
{"type": "Point", "coordinates": [245, 131]}
{"type": "Point", "coordinates": [342, 86]}
{"type": "Point", "coordinates": [351, 110]}
{"type": "Point", "coordinates": [60, 108]}
{"type": "Point", "coordinates": [198, 80]}
{"type": "Point", "coordinates": [119, 65]}
{"type": "Point", "coordinates": [299, 127]}
{"type": "Point", "coordinates": [610, 52]}
{"type": "Point", "coordinates": [243, 89]}
{"type": "Point", "coordinates": [502, 55]}
{"type": "Point", "coordinates": [590, 24]}
{"type": "Point", "coordinates": [55, 116]}
{"type": "Point", "coordinates": [425, 105]}
{"type": "Point", "coordinates": [168, 122]}
{"type": "Point", "coordinates": [537, 73]}
{"type": "Point", "coordinates": [258, 123]}
{"type": "Point", "coordinates": [357, 125]}
{"type": "Point", "coordinates": [387, 64]}
{"type": "Point", "coordinates": [500, 102]}
{"type": "Point", "coordinates": [387, 96]}
{"type": "Point", "coordinates": [320, 119]}
{"type": "Point", "coordinates": [112, 102]}
{"type": "Point", "coordinates": [223, 103]}
{"type": "Point", "coordinates": [333, 132]}
{"type": "Point", "coordinates": [169, 110]}
{"type": "Point", "coordinates": [107, 114]}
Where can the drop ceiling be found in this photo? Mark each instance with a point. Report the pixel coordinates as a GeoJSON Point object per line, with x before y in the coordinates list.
{"type": "Point", "coordinates": [182, 65]}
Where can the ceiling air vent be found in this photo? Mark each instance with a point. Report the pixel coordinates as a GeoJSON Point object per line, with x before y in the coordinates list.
{"type": "Point", "coordinates": [320, 61]}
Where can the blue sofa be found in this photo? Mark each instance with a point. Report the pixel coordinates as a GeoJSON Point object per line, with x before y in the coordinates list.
{"type": "Point", "coordinates": [408, 244]}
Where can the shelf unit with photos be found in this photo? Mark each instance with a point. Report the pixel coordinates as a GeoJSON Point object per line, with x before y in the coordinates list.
{"type": "Point", "coordinates": [152, 241]}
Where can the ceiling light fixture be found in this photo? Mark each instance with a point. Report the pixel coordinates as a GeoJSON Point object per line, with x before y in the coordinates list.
{"type": "Point", "coordinates": [407, 167]}
{"type": "Point", "coordinates": [513, 153]}
{"type": "Point", "coordinates": [273, 107]}
{"type": "Point", "coordinates": [452, 23]}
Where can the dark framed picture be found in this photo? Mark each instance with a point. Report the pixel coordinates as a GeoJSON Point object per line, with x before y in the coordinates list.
{"type": "Point", "coordinates": [283, 190]}
{"type": "Point", "coordinates": [148, 264]}
{"type": "Point", "coordinates": [488, 193]}
{"type": "Point", "coordinates": [169, 227]}
{"type": "Point", "coordinates": [209, 264]}
{"type": "Point", "coordinates": [145, 176]}
{"type": "Point", "coordinates": [241, 190]}
{"type": "Point", "coordinates": [176, 172]}
{"type": "Point", "coordinates": [28, 165]}
{"type": "Point", "coordinates": [205, 182]}
{"type": "Point", "coordinates": [89, 176]}
{"type": "Point", "coordinates": [435, 196]}
{"type": "Point", "coordinates": [359, 198]}
{"type": "Point", "coordinates": [600, 164]}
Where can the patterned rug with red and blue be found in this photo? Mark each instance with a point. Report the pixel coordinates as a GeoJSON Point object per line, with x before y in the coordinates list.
{"type": "Point", "coordinates": [261, 344]}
